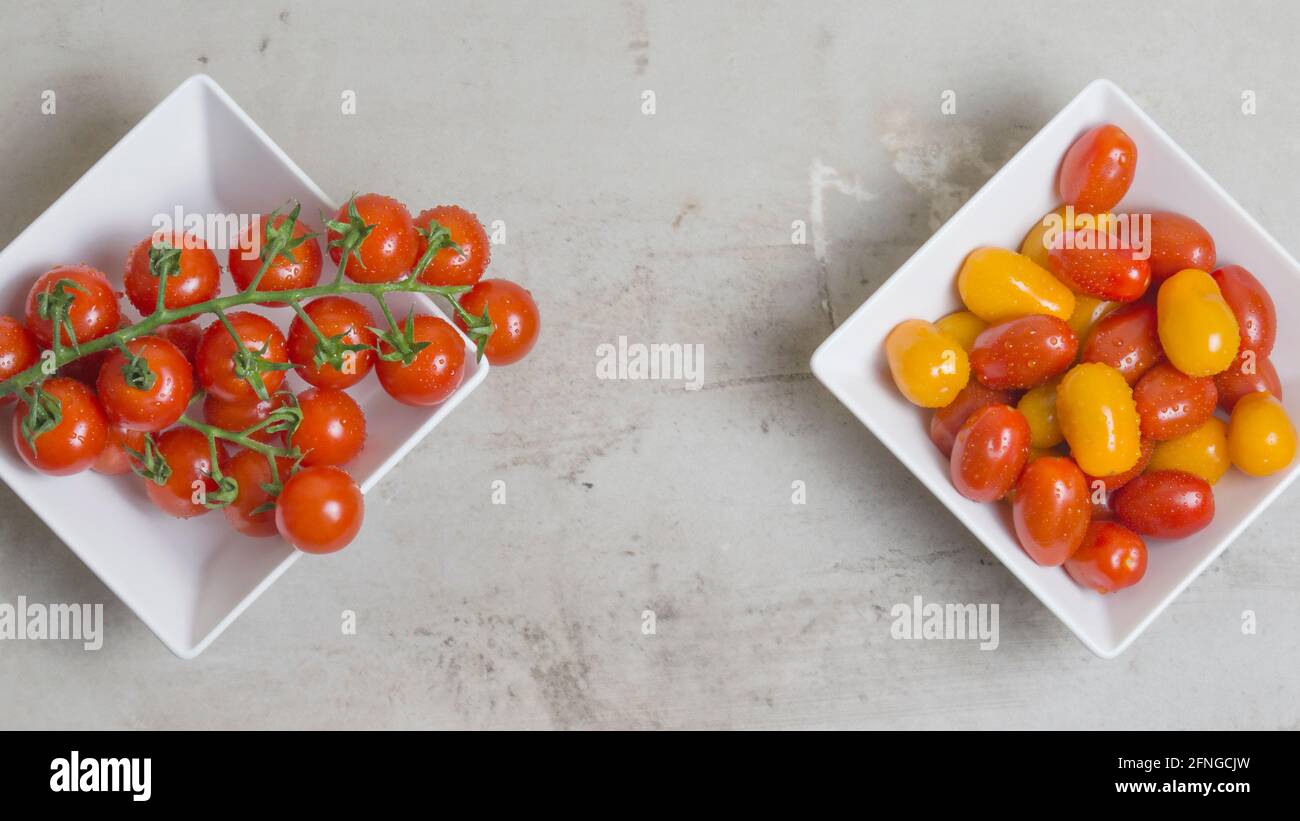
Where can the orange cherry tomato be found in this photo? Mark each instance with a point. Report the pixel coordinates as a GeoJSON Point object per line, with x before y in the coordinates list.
{"type": "Point", "coordinates": [1166, 504]}
{"type": "Point", "coordinates": [1051, 509]}
{"type": "Point", "coordinates": [1249, 373]}
{"type": "Point", "coordinates": [1098, 169]}
{"type": "Point", "coordinates": [1090, 263]}
{"type": "Point", "coordinates": [76, 441]}
{"type": "Point", "coordinates": [1088, 311]}
{"type": "Point", "coordinates": [1177, 242]}
{"type": "Point", "coordinates": [1048, 232]}
{"type": "Point", "coordinates": [1099, 419]}
{"type": "Point", "coordinates": [1197, 329]}
{"type": "Point", "coordinates": [929, 367]}
{"type": "Point", "coordinates": [990, 451]}
{"type": "Point", "coordinates": [947, 421]}
{"type": "Point", "coordinates": [1128, 340]}
{"type": "Point", "coordinates": [1261, 438]}
{"type": "Point", "coordinates": [1111, 558]}
{"type": "Point", "coordinates": [1022, 353]}
{"type": "Point", "coordinates": [1251, 305]}
{"type": "Point", "coordinates": [997, 284]}
{"type": "Point", "coordinates": [1171, 403]}
{"type": "Point", "coordinates": [1039, 409]}
{"type": "Point", "coordinates": [1202, 452]}
{"type": "Point", "coordinates": [962, 326]}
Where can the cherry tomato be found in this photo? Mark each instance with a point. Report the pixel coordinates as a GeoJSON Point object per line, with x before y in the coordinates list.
{"type": "Point", "coordinates": [1171, 403]}
{"type": "Point", "coordinates": [1128, 340]}
{"type": "Point", "coordinates": [1098, 169]}
{"type": "Point", "coordinates": [962, 326]}
{"type": "Point", "coordinates": [434, 374]}
{"type": "Point", "coordinates": [447, 266]}
{"type": "Point", "coordinates": [193, 277]}
{"type": "Point", "coordinates": [333, 316]}
{"type": "Point", "coordinates": [320, 509]}
{"type": "Point", "coordinates": [1177, 242]}
{"type": "Point", "coordinates": [283, 274]}
{"type": "Point", "coordinates": [1111, 558]}
{"type": "Point", "coordinates": [1051, 509]}
{"type": "Point", "coordinates": [1261, 438]}
{"type": "Point", "coordinates": [391, 247]}
{"type": "Point", "coordinates": [1023, 353]}
{"type": "Point", "coordinates": [113, 459]}
{"type": "Point", "coordinates": [1251, 305]}
{"type": "Point", "coordinates": [947, 421]}
{"type": "Point", "coordinates": [1089, 263]}
{"type": "Point", "coordinates": [93, 310]}
{"type": "Point", "coordinates": [190, 459]}
{"type": "Point", "coordinates": [929, 367]}
{"type": "Point", "coordinates": [1201, 452]}
{"type": "Point", "coordinates": [514, 316]}
{"type": "Point", "coordinates": [18, 351]}
{"type": "Point", "coordinates": [1088, 311]}
{"type": "Point", "coordinates": [1049, 232]}
{"type": "Point", "coordinates": [251, 471]}
{"type": "Point", "coordinates": [1099, 419]}
{"type": "Point", "coordinates": [76, 441]}
{"type": "Point", "coordinates": [1038, 406]}
{"type": "Point", "coordinates": [1198, 330]}
{"type": "Point", "coordinates": [1166, 504]}
{"type": "Point", "coordinates": [241, 414]}
{"type": "Point", "coordinates": [185, 335]}
{"type": "Point", "coordinates": [160, 399]}
{"type": "Point", "coordinates": [215, 360]}
{"type": "Point", "coordinates": [1249, 373]}
{"type": "Point", "coordinates": [990, 451]}
{"type": "Point", "coordinates": [1102, 486]}
{"type": "Point", "coordinates": [997, 284]}
{"type": "Point", "coordinates": [333, 427]}
{"type": "Point", "coordinates": [86, 369]}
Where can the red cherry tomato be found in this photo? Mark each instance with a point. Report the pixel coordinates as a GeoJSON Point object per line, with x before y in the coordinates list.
{"type": "Point", "coordinates": [113, 459]}
{"type": "Point", "coordinates": [434, 374]}
{"type": "Point", "coordinates": [1249, 373]}
{"type": "Point", "coordinates": [283, 274]}
{"type": "Point", "coordinates": [947, 421]}
{"type": "Point", "coordinates": [1166, 504]}
{"type": "Point", "coordinates": [190, 459]}
{"type": "Point", "coordinates": [333, 316]}
{"type": "Point", "coordinates": [1172, 403]}
{"type": "Point", "coordinates": [1098, 169]}
{"type": "Point", "coordinates": [215, 360]}
{"type": "Point", "coordinates": [193, 277]}
{"type": "Point", "coordinates": [1177, 242]}
{"type": "Point", "coordinates": [76, 441]}
{"type": "Point", "coordinates": [990, 451]}
{"type": "Point", "coordinates": [1023, 353]}
{"type": "Point", "coordinates": [513, 313]}
{"type": "Point", "coordinates": [1115, 481]}
{"type": "Point", "coordinates": [1089, 264]}
{"type": "Point", "coordinates": [447, 266]}
{"type": "Point", "coordinates": [1251, 304]}
{"type": "Point", "coordinates": [1051, 509]}
{"type": "Point", "coordinates": [391, 247]}
{"type": "Point", "coordinates": [1111, 558]}
{"type": "Point", "coordinates": [185, 335]}
{"type": "Point", "coordinates": [320, 509]}
{"type": "Point", "coordinates": [169, 390]}
{"type": "Point", "coordinates": [18, 351]}
{"type": "Point", "coordinates": [1126, 340]}
{"type": "Point", "coordinates": [251, 471]}
{"type": "Point", "coordinates": [333, 427]}
{"type": "Point", "coordinates": [93, 310]}
{"type": "Point", "coordinates": [241, 414]}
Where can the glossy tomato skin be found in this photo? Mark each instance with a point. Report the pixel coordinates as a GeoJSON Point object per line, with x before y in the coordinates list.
{"type": "Point", "coordinates": [241, 414]}
{"type": "Point", "coordinates": [333, 427]}
{"type": "Point", "coordinates": [1251, 305]}
{"type": "Point", "coordinates": [947, 421]}
{"type": "Point", "coordinates": [434, 374]}
{"type": "Point", "coordinates": [320, 509]}
{"type": "Point", "coordinates": [94, 311]}
{"type": "Point", "coordinates": [1090, 265]}
{"type": "Point", "coordinates": [215, 359]}
{"type": "Point", "coordinates": [198, 280]}
{"type": "Point", "coordinates": [392, 246]}
{"type": "Point", "coordinates": [1166, 504]}
{"type": "Point", "coordinates": [333, 316]}
{"type": "Point", "coordinates": [1171, 403]}
{"type": "Point", "coordinates": [1051, 509]}
{"type": "Point", "coordinates": [1098, 169]}
{"type": "Point", "coordinates": [1115, 481]}
{"type": "Point", "coordinates": [1023, 353]}
{"type": "Point", "coordinates": [1127, 339]}
{"type": "Point", "coordinates": [1110, 558]}
{"type": "Point", "coordinates": [251, 471]}
{"type": "Point", "coordinates": [113, 459]}
{"type": "Point", "coordinates": [448, 267]}
{"type": "Point", "coordinates": [929, 367]}
{"type": "Point", "coordinates": [1249, 373]}
{"type": "Point", "coordinates": [283, 274]}
{"type": "Point", "coordinates": [76, 442]}
{"type": "Point", "coordinates": [991, 449]}
{"type": "Point", "coordinates": [185, 335]}
{"type": "Point", "coordinates": [18, 351]}
{"type": "Point", "coordinates": [1177, 242]}
{"type": "Point", "coordinates": [190, 459]}
{"type": "Point", "coordinates": [513, 313]}
{"type": "Point", "coordinates": [157, 407]}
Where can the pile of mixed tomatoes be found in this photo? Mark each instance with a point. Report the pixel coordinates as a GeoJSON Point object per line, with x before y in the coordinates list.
{"type": "Point", "coordinates": [1099, 360]}
{"type": "Point", "coordinates": [97, 392]}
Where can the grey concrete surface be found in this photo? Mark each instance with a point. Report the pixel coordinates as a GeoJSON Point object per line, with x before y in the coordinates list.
{"type": "Point", "coordinates": [626, 496]}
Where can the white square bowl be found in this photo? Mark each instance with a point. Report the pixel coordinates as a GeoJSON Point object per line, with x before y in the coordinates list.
{"type": "Point", "coordinates": [851, 362]}
{"type": "Point", "coordinates": [187, 580]}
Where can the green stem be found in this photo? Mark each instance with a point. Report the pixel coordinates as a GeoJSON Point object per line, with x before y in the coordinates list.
{"type": "Point", "coordinates": [241, 438]}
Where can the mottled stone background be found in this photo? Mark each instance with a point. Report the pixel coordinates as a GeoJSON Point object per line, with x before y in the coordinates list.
{"type": "Point", "coordinates": [628, 496]}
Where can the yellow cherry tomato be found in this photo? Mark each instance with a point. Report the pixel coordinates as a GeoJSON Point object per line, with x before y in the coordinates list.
{"type": "Point", "coordinates": [1088, 311]}
{"type": "Point", "coordinates": [1197, 328]}
{"type": "Point", "coordinates": [1202, 452]}
{"type": "Point", "coordinates": [962, 326]}
{"type": "Point", "coordinates": [997, 284]}
{"type": "Point", "coordinates": [1095, 408]}
{"type": "Point", "coordinates": [929, 367]}
{"type": "Point", "coordinates": [1261, 439]}
{"type": "Point", "coordinates": [1049, 229]}
{"type": "Point", "coordinates": [1038, 406]}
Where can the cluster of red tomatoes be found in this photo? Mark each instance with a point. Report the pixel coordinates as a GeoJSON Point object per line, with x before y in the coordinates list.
{"type": "Point", "coordinates": [1100, 353]}
{"type": "Point", "coordinates": [268, 458]}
